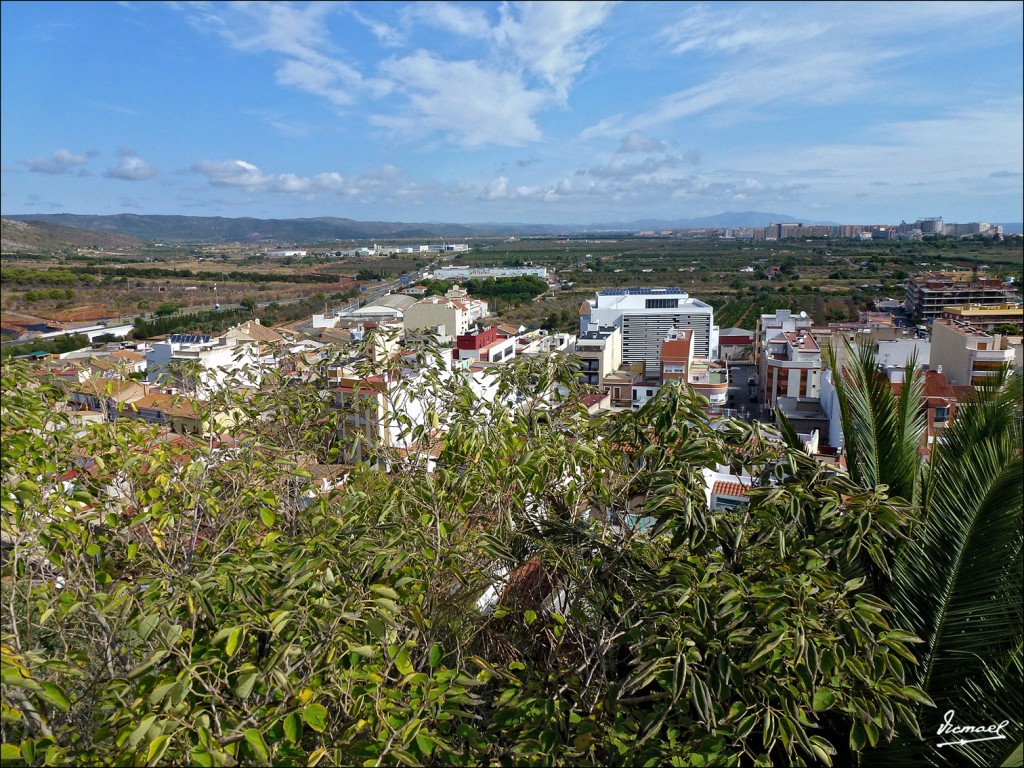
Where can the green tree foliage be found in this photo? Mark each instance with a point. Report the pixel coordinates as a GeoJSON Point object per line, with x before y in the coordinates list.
{"type": "Point", "coordinates": [556, 590]}
{"type": "Point", "coordinates": [49, 293]}
{"type": "Point", "coordinates": [507, 289]}
{"type": "Point", "coordinates": [68, 342]}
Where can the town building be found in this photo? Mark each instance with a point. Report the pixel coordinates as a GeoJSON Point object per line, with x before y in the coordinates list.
{"type": "Point", "coordinates": [644, 316]}
{"type": "Point", "coordinates": [678, 363]}
{"type": "Point", "coordinates": [788, 357]}
{"type": "Point", "coordinates": [969, 355]}
{"type": "Point", "coordinates": [467, 273]}
{"type": "Point", "coordinates": [450, 317]}
{"type": "Point", "coordinates": [929, 295]}
{"type": "Point", "coordinates": [600, 353]}
{"type": "Point", "coordinates": [486, 345]}
{"type": "Point", "coordinates": [987, 318]}
{"type": "Point", "coordinates": [203, 362]}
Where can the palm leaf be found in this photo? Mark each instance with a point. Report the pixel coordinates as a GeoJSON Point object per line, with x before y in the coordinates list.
{"type": "Point", "coordinates": [958, 580]}
{"type": "Point", "coordinates": [882, 430]}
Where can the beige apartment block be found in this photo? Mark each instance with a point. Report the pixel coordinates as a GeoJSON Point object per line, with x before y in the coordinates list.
{"type": "Point", "coordinates": [450, 314]}
{"type": "Point", "coordinates": [969, 355]}
{"type": "Point", "coordinates": [987, 318]}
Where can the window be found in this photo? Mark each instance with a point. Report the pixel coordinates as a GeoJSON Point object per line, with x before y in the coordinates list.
{"type": "Point", "coordinates": [662, 303]}
{"type": "Point", "coordinates": [942, 414]}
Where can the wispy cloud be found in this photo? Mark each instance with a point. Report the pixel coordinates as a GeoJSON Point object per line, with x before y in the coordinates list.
{"type": "Point", "coordinates": [131, 168]}
{"type": "Point", "coordinates": [278, 121]}
{"type": "Point", "coordinates": [61, 161]}
{"type": "Point", "coordinates": [553, 40]}
{"type": "Point", "coordinates": [469, 103]}
{"type": "Point", "coordinates": [525, 60]}
{"type": "Point", "coordinates": [298, 36]}
{"type": "Point", "coordinates": [782, 55]}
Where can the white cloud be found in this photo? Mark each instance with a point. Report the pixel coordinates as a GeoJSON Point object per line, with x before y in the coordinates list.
{"type": "Point", "coordinates": [241, 174]}
{"type": "Point", "coordinates": [460, 19]}
{"type": "Point", "coordinates": [131, 168]}
{"type": "Point", "coordinates": [553, 40]}
{"type": "Point", "coordinates": [385, 33]}
{"type": "Point", "coordinates": [61, 161]}
{"type": "Point", "coordinates": [470, 104]}
{"type": "Point", "coordinates": [496, 190]}
{"type": "Point", "coordinates": [635, 141]}
{"type": "Point", "coordinates": [298, 35]}
{"type": "Point", "coordinates": [794, 54]}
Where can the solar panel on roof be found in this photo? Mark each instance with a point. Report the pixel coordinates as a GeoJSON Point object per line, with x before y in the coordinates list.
{"type": "Point", "coordinates": [637, 291]}
{"type": "Point", "coordinates": [189, 338]}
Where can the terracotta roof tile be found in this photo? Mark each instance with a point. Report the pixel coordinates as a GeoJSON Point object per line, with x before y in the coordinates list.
{"type": "Point", "coordinates": [724, 488]}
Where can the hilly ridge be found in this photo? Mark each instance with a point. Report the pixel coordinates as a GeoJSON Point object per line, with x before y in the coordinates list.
{"type": "Point", "coordinates": [19, 235]}
{"type": "Point", "coordinates": [160, 228]}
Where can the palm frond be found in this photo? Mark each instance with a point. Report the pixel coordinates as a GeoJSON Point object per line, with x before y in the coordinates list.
{"type": "Point", "coordinates": [958, 580]}
{"type": "Point", "coordinates": [882, 430]}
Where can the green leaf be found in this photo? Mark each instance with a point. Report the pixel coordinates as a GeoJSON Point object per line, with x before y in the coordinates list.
{"type": "Point", "coordinates": [10, 752]}
{"type": "Point", "coordinates": [245, 684]}
{"type": "Point", "coordinates": [858, 738]}
{"type": "Point", "coordinates": [156, 749]}
{"type": "Point", "coordinates": [256, 743]}
{"type": "Point", "coordinates": [293, 727]}
{"type": "Point", "coordinates": [201, 756]}
{"type": "Point", "coordinates": [376, 627]}
{"type": "Point", "coordinates": [916, 694]}
{"type": "Point", "coordinates": [55, 696]}
{"type": "Point", "coordinates": [434, 657]}
{"type": "Point", "coordinates": [381, 591]}
{"type": "Point", "coordinates": [141, 730]}
{"type": "Point", "coordinates": [267, 516]}
{"type": "Point", "coordinates": [425, 743]}
{"type": "Point", "coordinates": [315, 716]}
{"type": "Point", "coordinates": [529, 617]}
{"type": "Point", "coordinates": [234, 640]}
{"type": "Point", "coordinates": [823, 699]}
{"type": "Point", "coordinates": [403, 664]}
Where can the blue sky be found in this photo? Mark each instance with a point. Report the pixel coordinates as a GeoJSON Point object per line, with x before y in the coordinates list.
{"type": "Point", "coordinates": [545, 112]}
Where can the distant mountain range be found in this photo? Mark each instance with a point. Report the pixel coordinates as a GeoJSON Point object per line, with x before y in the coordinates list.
{"type": "Point", "coordinates": [217, 229]}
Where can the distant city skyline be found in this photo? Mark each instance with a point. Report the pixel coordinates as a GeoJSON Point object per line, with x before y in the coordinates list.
{"type": "Point", "coordinates": [546, 113]}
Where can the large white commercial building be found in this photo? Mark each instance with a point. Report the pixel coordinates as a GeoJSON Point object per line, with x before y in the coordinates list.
{"type": "Point", "coordinates": [466, 273]}
{"type": "Point", "coordinates": [645, 316]}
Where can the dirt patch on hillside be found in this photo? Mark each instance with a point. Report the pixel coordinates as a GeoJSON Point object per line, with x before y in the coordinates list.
{"type": "Point", "coordinates": [84, 314]}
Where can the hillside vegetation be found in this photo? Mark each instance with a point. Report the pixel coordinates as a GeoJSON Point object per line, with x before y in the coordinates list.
{"type": "Point", "coordinates": [39, 237]}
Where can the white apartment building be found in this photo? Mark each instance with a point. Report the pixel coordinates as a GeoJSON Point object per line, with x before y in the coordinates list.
{"type": "Point", "coordinates": [465, 273]}
{"type": "Point", "coordinates": [645, 316]}
{"type": "Point", "coordinates": [216, 360]}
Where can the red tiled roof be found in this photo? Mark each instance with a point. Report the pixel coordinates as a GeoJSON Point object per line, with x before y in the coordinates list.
{"type": "Point", "coordinates": [735, 340]}
{"type": "Point", "coordinates": [937, 385]}
{"type": "Point", "coordinates": [724, 488]}
{"type": "Point", "coordinates": [675, 349]}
